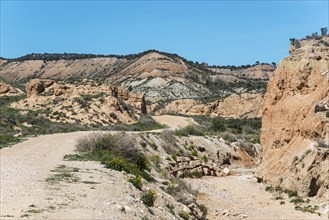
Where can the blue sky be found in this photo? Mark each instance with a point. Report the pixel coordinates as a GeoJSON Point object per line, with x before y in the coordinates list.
{"type": "Point", "coordinates": [216, 32]}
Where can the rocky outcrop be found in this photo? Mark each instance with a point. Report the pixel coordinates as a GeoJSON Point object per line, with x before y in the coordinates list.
{"type": "Point", "coordinates": [137, 100]}
{"type": "Point", "coordinates": [85, 103]}
{"type": "Point", "coordinates": [185, 166]}
{"type": "Point", "coordinates": [37, 86]}
{"type": "Point", "coordinates": [295, 122]}
{"type": "Point", "coordinates": [257, 72]}
{"type": "Point", "coordinates": [61, 89]}
{"type": "Point", "coordinates": [235, 106]}
{"type": "Point", "coordinates": [6, 89]}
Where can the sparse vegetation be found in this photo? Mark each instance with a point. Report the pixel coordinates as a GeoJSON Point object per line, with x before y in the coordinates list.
{"type": "Point", "coordinates": [136, 181]}
{"type": "Point", "coordinates": [63, 174]}
{"type": "Point", "coordinates": [148, 198]}
{"type": "Point", "coordinates": [145, 123]}
{"type": "Point", "coordinates": [297, 200]}
{"type": "Point", "coordinates": [11, 118]}
{"type": "Point", "coordinates": [231, 129]}
{"type": "Point", "coordinates": [308, 208]}
{"type": "Point", "coordinates": [115, 151]}
{"type": "Point", "coordinates": [204, 211]}
{"type": "Point", "coordinates": [170, 207]}
{"type": "Point", "coordinates": [190, 130]}
{"type": "Point", "coordinates": [181, 191]}
{"type": "Point", "coordinates": [184, 215]}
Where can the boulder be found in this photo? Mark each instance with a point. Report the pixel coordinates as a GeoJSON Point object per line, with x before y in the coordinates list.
{"type": "Point", "coordinates": [37, 86]}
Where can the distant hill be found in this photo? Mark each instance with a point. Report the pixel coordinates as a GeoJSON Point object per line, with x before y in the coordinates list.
{"type": "Point", "coordinates": [157, 74]}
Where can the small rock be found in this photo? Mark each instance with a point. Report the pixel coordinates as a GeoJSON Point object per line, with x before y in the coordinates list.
{"type": "Point", "coordinates": [226, 171]}
{"type": "Point", "coordinates": [127, 209]}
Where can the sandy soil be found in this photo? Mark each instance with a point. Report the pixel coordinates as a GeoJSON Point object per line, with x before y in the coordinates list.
{"type": "Point", "coordinates": [174, 122]}
{"type": "Point", "coordinates": [240, 196]}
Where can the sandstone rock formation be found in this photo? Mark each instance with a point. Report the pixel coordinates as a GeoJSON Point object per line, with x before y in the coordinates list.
{"type": "Point", "coordinates": [6, 89]}
{"type": "Point", "coordinates": [235, 106]}
{"type": "Point", "coordinates": [184, 166]}
{"type": "Point", "coordinates": [257, 72]}
{"type": "Point", "coordinates": [84, 103]}
{"type": "Point", "coordinates": [37, 86]}
{"type": "Point", "coordinates": [294, 138]}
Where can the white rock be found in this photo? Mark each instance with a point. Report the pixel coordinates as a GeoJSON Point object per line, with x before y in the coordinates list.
{"type": "Point", "coordinates": [226, 171]}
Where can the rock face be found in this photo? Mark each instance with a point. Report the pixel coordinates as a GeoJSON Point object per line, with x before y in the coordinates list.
{"type": "Point", "coordinates": [185, 165]}
{"type": "Point", "coordinates": [235, 106]}
{"type": "Point", "coordinates": [6, 89]}
{"type": "Point", "coordinates": [37, 86]}
{"type": "Point", "coordinates": [295, 128]}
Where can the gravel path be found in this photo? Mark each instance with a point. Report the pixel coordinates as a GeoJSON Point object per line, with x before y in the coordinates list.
{"type": "Point", "coordinates": [25, 166]}
{"type": "Point", "coordinates": [241, 197]}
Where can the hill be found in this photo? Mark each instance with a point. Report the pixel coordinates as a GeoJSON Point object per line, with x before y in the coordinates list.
{"type": "Point", "coordinates": [157, 74]}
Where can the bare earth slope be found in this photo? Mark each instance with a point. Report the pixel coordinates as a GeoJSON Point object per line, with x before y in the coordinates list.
{"type": "Point", "coordinates": [295, 128]}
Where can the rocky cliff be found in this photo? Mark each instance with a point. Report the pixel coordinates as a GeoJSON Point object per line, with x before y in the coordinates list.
{"type": "Point", "coordinates": [295, 121]}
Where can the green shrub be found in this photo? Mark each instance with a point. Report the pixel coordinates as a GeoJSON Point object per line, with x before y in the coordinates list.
{"type": "Point", "coordinates": [168, 137]}
{"type": "Point", "coordinates": [6, 140]}
{"type": "Point", "coordinates": [194, 153]}
{"type": "Point", "coordinates": [248, 147]}
{"type": "Point", "coordinates": [308, 208]}
{"type": "Point", "coordinates": [291, 193]}
{"type": "Point", "coordinates": [204, 210]}
{"type": "Point", "coordinates": [181, 191]}
{"type": "Point", "coordinates": [117, 151]}
{"type": "Point", "coordinates": [171, 208]}
{"type": "Point", "coordinates": [145, 123]}
{"type": "Point", "coordinates": [136, 181]}
{"type": "Point", "coordinates": [218, 124]}
{"type": "Point", "coordinates": [190, 130]}
{"type": "Point", "coordinates": [205, 158]}
{"type": "Point", "coordinates": [121, 145]}
{"type": "Point", "coordinates": [228, 136]}
{"type": "Point", "coordinates": [149, 198]}
{"type": "Point", "coordinates": [153, 146]}
{"type": "Point", "coordinates": [117, 163]}
{"type": "Point", "coordinates": [297, 200]}
{"type": "Point", "coordinates": [184, 215]}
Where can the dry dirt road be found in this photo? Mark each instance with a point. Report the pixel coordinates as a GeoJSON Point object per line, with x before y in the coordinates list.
{"type": "Point", "coordinates": [241, 197]}
{"type": "Point", "coordinates": [89, 191]}
{"type": "Point", "coordinates": [37, 183]}
{"type": "Point", "coordinates": [174, 122]}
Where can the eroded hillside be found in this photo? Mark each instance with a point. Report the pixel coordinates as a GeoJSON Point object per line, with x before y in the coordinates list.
{"type": "Point", "coordinates": [159, 75]}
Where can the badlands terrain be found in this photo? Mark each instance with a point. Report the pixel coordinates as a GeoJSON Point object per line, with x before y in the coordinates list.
{"type": "Point", "coordinates": [154, 136]}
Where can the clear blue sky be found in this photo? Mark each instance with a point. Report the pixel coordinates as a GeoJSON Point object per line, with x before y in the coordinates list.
{"type": "Point", "coordinates": [217, 32]}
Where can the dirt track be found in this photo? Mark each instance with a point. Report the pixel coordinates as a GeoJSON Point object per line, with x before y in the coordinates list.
{"type": "Point", "coordinates": [241, 196]}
